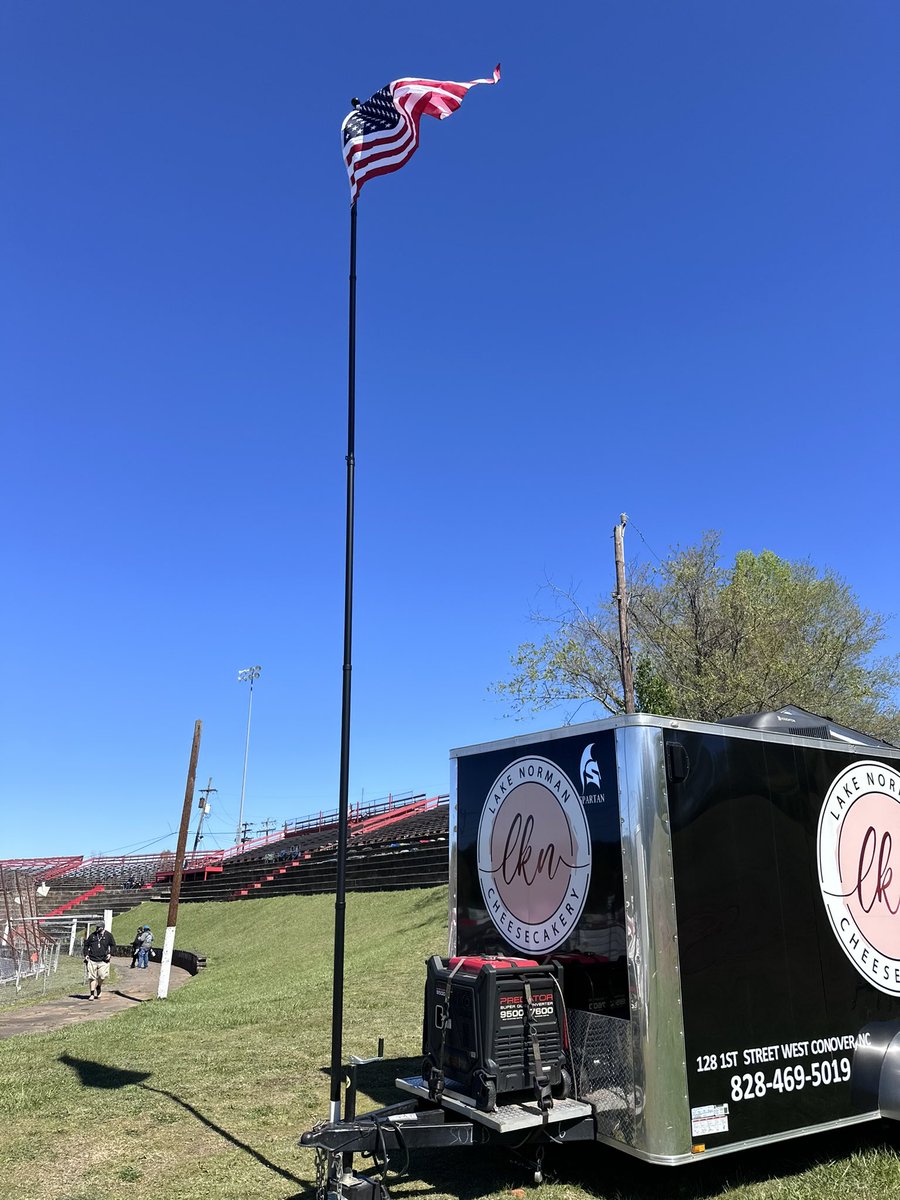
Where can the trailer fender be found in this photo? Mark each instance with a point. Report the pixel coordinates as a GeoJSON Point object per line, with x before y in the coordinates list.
{"type": "Point", "coordinates": [875, 1078]}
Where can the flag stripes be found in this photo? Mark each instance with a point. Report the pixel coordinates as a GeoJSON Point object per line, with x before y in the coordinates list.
{"type": "Point", "coordinates": [383, 133]}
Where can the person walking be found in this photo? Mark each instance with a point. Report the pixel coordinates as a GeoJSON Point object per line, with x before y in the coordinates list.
{"type": "Point", "coordinates": [135, 946]}
{"type": "Point", "coordinates": [145, 941]}
{"type": "Point", "coordinates": [98, 950]}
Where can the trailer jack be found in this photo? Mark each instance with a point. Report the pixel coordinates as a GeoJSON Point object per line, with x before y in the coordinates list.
{"type": "Point", "coordinates": [333, 1182]}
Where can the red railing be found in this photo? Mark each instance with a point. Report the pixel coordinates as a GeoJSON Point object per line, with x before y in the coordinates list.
{"type": "Point", "coordinates": [391, 817]}
{"type": "Point", "coordinates": [75, 901]}
{"type": "Point", "coordinates": [140, 866]}
{"type": "Point", "coordinates": [253, 843]}
{"type": "Point", "coordinates": [47, 868]}
{"type": "Point", "coordinates": [358, 813]}
{"type": "Point", "coordinates": [361, 817]}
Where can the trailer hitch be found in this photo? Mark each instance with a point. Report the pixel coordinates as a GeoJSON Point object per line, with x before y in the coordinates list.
{"type": "Point", "coordinates": [398, 1127]}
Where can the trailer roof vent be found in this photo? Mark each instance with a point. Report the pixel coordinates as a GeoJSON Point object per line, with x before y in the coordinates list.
{"type": "Point", "coordinates": [799, 723]}
{"type": "Point", "coordinates": [815, 731]}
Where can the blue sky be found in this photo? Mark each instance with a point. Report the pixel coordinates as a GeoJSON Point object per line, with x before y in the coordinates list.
{"type": "Point", "coordinates": [655, 270]}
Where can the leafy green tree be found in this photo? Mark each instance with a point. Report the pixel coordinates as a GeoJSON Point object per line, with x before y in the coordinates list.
{"type": "Point", "coordinates": [710, 641]}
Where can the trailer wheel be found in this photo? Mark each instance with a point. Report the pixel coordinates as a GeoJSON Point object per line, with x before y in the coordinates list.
{"type": "Point", "coordinates": [563, 1089]}
{"type": "Point", "coordinates": [427, 1068]}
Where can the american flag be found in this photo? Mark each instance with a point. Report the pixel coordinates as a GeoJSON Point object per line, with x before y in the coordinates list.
{"type": "Point", "coordinates": [380, 135]}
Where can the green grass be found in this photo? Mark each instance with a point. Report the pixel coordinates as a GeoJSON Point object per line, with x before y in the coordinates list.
{"type": "Point", "coordinates": [68, 977]}
{"type": "Point", "coordinates": [205, 1094]}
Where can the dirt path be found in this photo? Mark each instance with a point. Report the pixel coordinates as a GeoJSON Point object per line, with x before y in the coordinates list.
{"type": "Point", "coordinates": [130, 988]}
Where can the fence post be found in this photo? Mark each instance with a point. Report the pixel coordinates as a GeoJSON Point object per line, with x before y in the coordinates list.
{"type": "Point", "coordinates": [72, 937]}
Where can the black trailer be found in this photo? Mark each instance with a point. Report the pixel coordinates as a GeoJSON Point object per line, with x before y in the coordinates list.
{"type": "Point", "coordinates": [722, 902]}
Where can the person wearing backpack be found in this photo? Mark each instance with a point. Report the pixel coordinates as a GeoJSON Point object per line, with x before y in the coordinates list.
{"type": "Point", "coordinates": [145, 941]}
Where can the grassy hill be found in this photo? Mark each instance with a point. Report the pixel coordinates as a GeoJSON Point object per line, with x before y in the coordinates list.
{"type": "Point", "coordinates": [205, 1094]}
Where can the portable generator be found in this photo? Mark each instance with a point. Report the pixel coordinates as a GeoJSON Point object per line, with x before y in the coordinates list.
{"type": "Point", "coordinates": [493, 1027]}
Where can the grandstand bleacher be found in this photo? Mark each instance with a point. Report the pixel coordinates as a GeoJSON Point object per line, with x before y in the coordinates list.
{"type": "Point", "coordinates": [408, 850]}
{"type": "Point", "coordinates": [392, 845]}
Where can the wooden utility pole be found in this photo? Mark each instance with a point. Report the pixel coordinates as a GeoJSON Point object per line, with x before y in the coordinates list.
{"type": "Point", "coordinates": [165, 967]}
{"type": "Point", "coordinates": [620, 598]}
{"type": "Point", "coordinates": [206, 792]}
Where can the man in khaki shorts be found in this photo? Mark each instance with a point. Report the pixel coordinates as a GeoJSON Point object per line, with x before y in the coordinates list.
{"type": "Point", "coordinates": [97, 953]}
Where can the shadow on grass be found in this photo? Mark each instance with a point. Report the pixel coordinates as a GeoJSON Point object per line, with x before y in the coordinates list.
{"type": "Point", "coordinates": [229, 1137]}
{"type": "Point", "coordinates": [99, 1075]}
{"type": "Point", "coordinates": [376, 1079]}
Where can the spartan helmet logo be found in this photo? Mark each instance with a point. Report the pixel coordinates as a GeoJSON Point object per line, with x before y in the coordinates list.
{"type": "Point", "coordinates": [591, 781]}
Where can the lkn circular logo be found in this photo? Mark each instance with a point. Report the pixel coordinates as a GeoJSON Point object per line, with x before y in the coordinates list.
{"type": "Point", "coordinates": [534, 854]}
{"type": "Point", "coordinates": [859, 869]}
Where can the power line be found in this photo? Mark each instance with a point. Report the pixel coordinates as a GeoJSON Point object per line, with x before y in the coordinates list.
{"type": "Point", "coordinates": [141, 845]}
{"type": "Point", "coordinates": [646, 543]}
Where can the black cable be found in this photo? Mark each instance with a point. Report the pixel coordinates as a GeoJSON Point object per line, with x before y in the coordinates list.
{"type": "Point", "coordinates": [383, 1165]}
{"type": "Point", "coordinates": [644, 540]}
{"type": "Point", "coordinates": [402, 1140]}
{"type": "Point", "coordinates": [570, 1057]}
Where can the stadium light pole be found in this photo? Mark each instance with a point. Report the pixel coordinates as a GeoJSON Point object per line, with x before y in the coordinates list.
{"type": "Point", "coordinates": [247, 675]}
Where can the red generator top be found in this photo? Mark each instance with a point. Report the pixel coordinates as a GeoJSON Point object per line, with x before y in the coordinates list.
{"type": "Point", "coordinates": [476, 964]}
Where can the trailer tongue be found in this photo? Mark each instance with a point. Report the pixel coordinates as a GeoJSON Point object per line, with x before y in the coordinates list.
{"type": "Point", "coordinates": [419, 1123]}
{"type": "Point", "coordinates": [672, 937]}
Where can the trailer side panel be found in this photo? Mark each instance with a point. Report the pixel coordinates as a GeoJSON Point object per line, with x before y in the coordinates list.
{"type": "Point", "coordinates": [776, 1010]}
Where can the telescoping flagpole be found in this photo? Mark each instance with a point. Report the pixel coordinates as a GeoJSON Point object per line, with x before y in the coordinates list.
{"type": "Point", "coordinates": [379, 136]}
{"type": "Point", "coordinates": [340, 902]}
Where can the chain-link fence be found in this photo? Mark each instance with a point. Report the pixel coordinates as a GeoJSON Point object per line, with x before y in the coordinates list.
{"type": "Point", "coordinates": [20, 962]}
{"type": "Point", "coordinates": [30, 946]}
